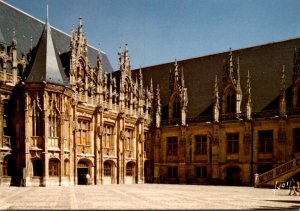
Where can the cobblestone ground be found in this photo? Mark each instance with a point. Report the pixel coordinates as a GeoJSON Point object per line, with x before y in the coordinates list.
{"type": "Point", "coordinates": [146, 196]}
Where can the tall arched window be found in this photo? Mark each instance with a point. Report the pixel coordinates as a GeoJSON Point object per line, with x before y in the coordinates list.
{"type": "Point", "coordinates": [176, 107]}
{"type": "Point", "coordinates": [129, 169]}
{"type": "Point", "coordinates": [107, 169]}
{"type": "Point", "coordinates": [53, 125]}
{"type": "Point", "coordinates": [37, 122]}
{"type": "Point", "coordinates": [231, 102]}
{"type": "Point", "coordinates": [9, 67]}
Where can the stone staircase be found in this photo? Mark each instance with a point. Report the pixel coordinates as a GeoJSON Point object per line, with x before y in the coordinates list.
{"type": "Point", "coordinates": [280, 173]}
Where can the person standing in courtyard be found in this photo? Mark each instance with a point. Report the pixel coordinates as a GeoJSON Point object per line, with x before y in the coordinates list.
{"type": "Point", "coordinates": [87, 177]}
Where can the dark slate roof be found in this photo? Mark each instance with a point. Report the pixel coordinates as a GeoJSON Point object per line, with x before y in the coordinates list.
{"type": "Point", "coordinates": [2, 40]}
{"type": "Point", "coordinates": [27, 26]}
{"type": "Point", "coordinates": [264, 63]}
{"type": "Point", "coordinates": [47, 66]}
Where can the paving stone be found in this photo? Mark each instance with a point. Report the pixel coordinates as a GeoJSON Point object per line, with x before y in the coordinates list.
{"type": "Point", "coordinates": [146, 196]}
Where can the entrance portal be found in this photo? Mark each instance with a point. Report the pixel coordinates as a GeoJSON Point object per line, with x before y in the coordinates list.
{"type": "Point", "coordinates": [233, 176]}
{"type": "Point", "coordinates": [82, 171]}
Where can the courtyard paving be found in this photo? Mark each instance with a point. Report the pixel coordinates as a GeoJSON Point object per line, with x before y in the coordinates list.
{"type": "Point", "coordinates": [146, 196]}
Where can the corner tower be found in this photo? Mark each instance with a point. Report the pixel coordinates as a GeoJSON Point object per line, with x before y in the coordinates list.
{"type": "Point", "coordinates": [43, 118]}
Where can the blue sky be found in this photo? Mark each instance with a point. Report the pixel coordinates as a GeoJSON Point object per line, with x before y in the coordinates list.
{"type": "Point", "coordinates": [160, 31]}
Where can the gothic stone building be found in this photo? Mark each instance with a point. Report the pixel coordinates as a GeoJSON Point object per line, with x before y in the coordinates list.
{"type": "Point", "coordinates": [228, 118]}
{"type": "Point", "coordinates": [61, 122]}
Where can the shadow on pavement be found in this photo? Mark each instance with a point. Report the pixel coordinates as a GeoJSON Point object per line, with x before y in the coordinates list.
{"type": "Point", "coordinates": [293, 207]}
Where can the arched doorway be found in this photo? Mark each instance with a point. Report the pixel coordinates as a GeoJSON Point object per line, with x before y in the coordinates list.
{"type": "Point", "coordinates": [82, 171]}
{"type": "Point", "coordinates": [108, 172]}
{"type": "Point", "coordinates": [130, 172]}
{"type": "Point", "coordinates": [38, 168]}
{"type": "Point", "coordinates": [233, 176]}
{"type": "Point", "coordinates": [7, 166]}
{"type": "Point", "coordinates": [148, 169]}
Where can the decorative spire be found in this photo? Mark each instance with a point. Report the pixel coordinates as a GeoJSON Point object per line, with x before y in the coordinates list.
{"type": "Point", "coordinates": [238, 81]}
{"type": "Point", "coordinates": [141, 78]}
{"type": "Point", "coordinates": [282, 82]}
{"type": "Point", "coordinates": [182, 77]}
{"type": "Point", "coordinates": [282, 100]}
{"type": "Point", "coordinates": [176, 71]}
{"type": "Point", "coordinates": [248, 100]}
{"type": "Point", "coordinates": [230, 63]}
{"type": "Point", "coordinates": [47, 15]}
{"type": "Point", "coordinates": [14, 40]}
{"type": "Point", "coordinates": [216, 111]}
{"type": "Point", "coordinates": [80, 25]}
{"type": "Point", "coordinates": [47, 66]}
{"type": "Point", "coordinates": [158, 108]}
{"type": "Point", "coordinates": [151, 85]}
{"type": "Point", "coordinates": [99, 59]}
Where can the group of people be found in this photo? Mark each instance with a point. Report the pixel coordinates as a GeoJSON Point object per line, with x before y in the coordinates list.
{"type": "Point", "coordinates": [292, 185]}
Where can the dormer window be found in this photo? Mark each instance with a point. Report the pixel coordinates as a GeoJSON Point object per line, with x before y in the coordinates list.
{"type": "Point", "coordinates": [176, 107]}
{"type": "Point", "coordinates": [231, 102]}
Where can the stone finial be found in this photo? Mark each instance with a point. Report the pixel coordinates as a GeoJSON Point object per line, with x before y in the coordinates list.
{"type": "Point", "coordinates": [282, 100]}
{"type": "Point", "coordinates": [182, 78]}
{"type": "Point", "coordinates": [158, 108]}
{"type": "Point", "coordinates": [248, 96]}
{"type": "Point", "coordinates": [216, 111]}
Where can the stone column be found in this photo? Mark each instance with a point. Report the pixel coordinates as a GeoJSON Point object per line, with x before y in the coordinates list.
{"type": "Point", "coordinates": [1, 120]}
{"type": "Point", "coordinates": [45, 156]}
{"type": "Point", "coordinates": [120, 144]}
{"type": "Point", "coordinates": [28, 133]}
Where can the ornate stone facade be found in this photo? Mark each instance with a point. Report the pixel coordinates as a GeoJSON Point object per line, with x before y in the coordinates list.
{"type": "Point", "coordinates": [219, 119]}
{"type": "Point", "coordinates": [60, 129]}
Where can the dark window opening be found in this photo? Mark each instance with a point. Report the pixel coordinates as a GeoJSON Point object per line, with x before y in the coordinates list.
{"type": "Point", "coordinates": [172, 172]}
{"type": "Point", "coordinates": [176, 107]}
{"type": "Point", "coordinates": [172, 146]}
{"type": "Point", "coordinates": [297, 139]}
{"type": "Point", "coordinates": [201, 145]}
{"type": "Point", "coordinates": [265, 139]}
{"type": "Point", "coordinates": [37, 167]}
{"type": "Point", "coordinates": [232, 143]}
{"type": "Point", "coordinates": [201, 171]}
{"type": "Point", "coordinates": [231, 102]}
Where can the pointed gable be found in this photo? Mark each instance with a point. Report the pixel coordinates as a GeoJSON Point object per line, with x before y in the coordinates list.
{"type": "Point", "coordinates": [47, 66]}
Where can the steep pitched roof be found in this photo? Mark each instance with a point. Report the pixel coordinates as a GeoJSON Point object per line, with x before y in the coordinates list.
{"type": "Point", "coordinates": [47, 66]}
{"type": "Point", "coordinates": [2, 40]}
{"type": "Point", "coordinates": [264, 63]}
{"type": "Point", "coordinates": [27, 26]}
